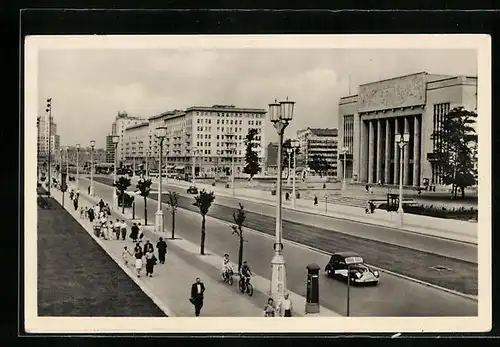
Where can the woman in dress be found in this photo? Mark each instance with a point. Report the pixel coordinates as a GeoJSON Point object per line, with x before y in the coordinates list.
{"type": "Point", "coordinates": [150, 262]}
{"type": "Point", "coordinates": [269, 309]}
{"type": "Point", "coordinates": [138, 259]}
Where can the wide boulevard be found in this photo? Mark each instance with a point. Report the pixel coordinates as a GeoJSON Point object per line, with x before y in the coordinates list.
{"type": "Point", "coordinates": [394, 296]}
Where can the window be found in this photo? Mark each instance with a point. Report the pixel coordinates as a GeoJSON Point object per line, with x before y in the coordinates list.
{"type": "Point", "coordinates": [240, 137]}
{"type": "Point", "coordinates": [222, 121]}
{"type": "Point", "coordinates": [440, 111]}
{"type": "Point", "coordinates": [218, 121]}
{"type": "Point", "coordinates": [209, 121]}
{"type": "Point", "coordinates": [217, 137]}
{"type": "Point", "coordinates": [222, 130]}
{"type": "Point", "coordinates": [231, 121]}
{"type": "Point", "coordinates": [218, 128]}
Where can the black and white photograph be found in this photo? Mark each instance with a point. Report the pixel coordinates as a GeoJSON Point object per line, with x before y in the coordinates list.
{"type": "Point", "coordinates": [272, 183]}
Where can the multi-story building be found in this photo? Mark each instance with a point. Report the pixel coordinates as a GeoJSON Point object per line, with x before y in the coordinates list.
{"type": "Point", "coordinates": [414, 104]}
{"type": "Point", "coordinates": [43, 137]}
{"type": "Point", "coordinates": [122, 122]}
{"type": "Point", "coordinates": [321, 142]}
{"type": "Point", "coordinates": [110, 149]}
{"type": "Point", "coordinates": [136, 143]}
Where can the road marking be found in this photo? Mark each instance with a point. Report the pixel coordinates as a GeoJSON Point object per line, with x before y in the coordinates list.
{"type": "Point", "coordinates": [408, 278]}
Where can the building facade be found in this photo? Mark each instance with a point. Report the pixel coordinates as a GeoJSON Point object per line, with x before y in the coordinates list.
{"type": "Point", "coordinates": [272, 159]}
{"type": "Point", "coordinates": [414, 104]}
{"type": "Point", "coordinates": [201, 137]}
{"type": "Point", "coordinates": [322, 142]}
{"type": "Point", "coordinates": [121, 123]}
{"type": "Point", "coordinates": [43, 137]}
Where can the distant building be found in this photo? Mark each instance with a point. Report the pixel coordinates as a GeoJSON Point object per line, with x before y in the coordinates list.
{"type": "Point", "coordinates": [122, 121]}
{"type": "Point", "coordinates": [136, 143]}
{"type": "Point", "coordinates": [43, 137]}
{"type": "Point", "coordinates": [415, 104]}
{"type": "Point", "coordinates": [272, 158]}
{"type": "Point", "coordinates": [320, 142]}
{"type": "Point", "coordinates": [110, 149]}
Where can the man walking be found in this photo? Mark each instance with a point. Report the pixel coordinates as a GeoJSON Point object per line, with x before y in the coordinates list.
{"type": "Point", "coordinates": [162, 250]}
{"type": "Point", "coordinates": [148, 246]}
{"type": "Point", "coordinates": [75, 203]}
{"type": "Point", "coordinates": [286, 306]}
{"type": "Point", "coordinates": [116, 227]}
{"type": "Point", "coordinates": [197, 290]}
{"type": "Point", "coordinates": [134, 232]}
{"type": "Point", "coordinates": [123, 229]}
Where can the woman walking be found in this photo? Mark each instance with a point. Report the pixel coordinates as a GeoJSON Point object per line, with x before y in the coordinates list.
{"type": "Point", "coordinates": [150, 262]}
{"type": "Point", "coordinates": [138, 259]}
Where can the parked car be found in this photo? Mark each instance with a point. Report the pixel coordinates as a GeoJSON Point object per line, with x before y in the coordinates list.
{"type": "Point", "coordinates": [350, 264]}
{"type": "Point", "coordinates": [121, 171]}
{"type": "Point", "coordinates": [128, 200]}
{"type": "Point", "coordinates": [192, 190]}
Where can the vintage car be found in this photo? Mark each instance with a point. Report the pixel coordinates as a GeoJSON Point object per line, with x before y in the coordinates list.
{"type": "Point", "coordinates": [192, 190]}
{"type": "Point", "coordinates": [343, 264]}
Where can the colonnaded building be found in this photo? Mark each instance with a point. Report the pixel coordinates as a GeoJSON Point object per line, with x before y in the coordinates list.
{"type": "Point", "coordinates": [415, 104]}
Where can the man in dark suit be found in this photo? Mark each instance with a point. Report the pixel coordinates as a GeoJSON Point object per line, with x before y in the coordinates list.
{"type": "Point", "coordinates": [197, 290]}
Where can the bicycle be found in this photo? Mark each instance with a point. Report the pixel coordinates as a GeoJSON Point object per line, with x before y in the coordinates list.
{"type": "Point", "coordinates": [227, 277]}
{"type": "Point", "coordinates": [246, 286]}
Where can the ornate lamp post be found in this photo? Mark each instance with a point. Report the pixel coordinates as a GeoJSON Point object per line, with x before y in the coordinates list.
{"type": "Point", "coordinates": [161, 133]}
{"type": "Point", "coordinates": [49, 111]}
{"type": "Point", "coordinates": [344, 183]}
{"type": "Point", "coordinates": [77, 169]}
{"type": "Point", "coordinates": [193, 168]}
{"type": "Point", "coordinates": [401, 140]}
{"type": "Point", "coordinates": [280, 114]}
{"type": "Point", "coordinates": [67, 163]}
{"type": "Point", "coordinates": [116, 139]}
{"type": "Point", "coordinates": [294, 146]}
{"type": "Point", "coordinates": [92, 145]}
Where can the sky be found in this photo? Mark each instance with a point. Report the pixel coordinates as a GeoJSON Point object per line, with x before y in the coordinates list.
{"type": "Point", "coordinates": [88, 87]}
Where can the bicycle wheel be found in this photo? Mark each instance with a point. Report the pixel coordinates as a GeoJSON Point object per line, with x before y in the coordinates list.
{"type": "Point", "coordinates": [230, 280]}
{"type": "Point", "coordinates": [242, 286]}
{"type": "Point", "coordinates": [249, 289]}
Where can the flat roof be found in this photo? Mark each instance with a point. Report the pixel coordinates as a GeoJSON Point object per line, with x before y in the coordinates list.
{"type": "Point", "coordinates": [143, 124]}
{"type": "Point", "coordinates": [225, 108]}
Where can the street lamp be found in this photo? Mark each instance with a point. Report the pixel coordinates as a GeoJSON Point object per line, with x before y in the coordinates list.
{"type": "Point", "coordinates": [294, 146]}
{"type": "Point", "coordinates": [92, 145]}
{"type": "Point", "coordinates": [161, 133]}
{"type": "Point", "coordinates": [67, 163]}
{"type": "Point", "coordinates": [77, 170]}
{"type": "Point", "coordinates": [116, 139]}
{"type": "Point", "coordinates": [401, 140]}
{"type": "Point", "coordinates": [280, 115]}
{"type": "Point", "coordinates": [344, 151]}
{"type": "Point", "coordinates": [193, 167]}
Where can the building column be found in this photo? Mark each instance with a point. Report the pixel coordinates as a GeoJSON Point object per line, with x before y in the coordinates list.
{"type": "Point", "coordinates": [387, 151]}
{"type": "Point", "coordinates": [397, 130]}
{"type": "Point", "coordinates": [379, 150]}
{"type": "Point", "coordinates": [416, 152]}
{"type": "Point", "coordinates": [356, 145]}
{"type": "Point", "coordinates": [363, 156]}
{"type": "Point", "coordinates": [371, 150]}
{"type": "Point", "coordinates": [406, 154]}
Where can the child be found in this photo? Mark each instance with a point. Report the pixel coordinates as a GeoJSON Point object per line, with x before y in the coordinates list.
{"type": "Point", "coordinates": [125, 255]}
{"type": "Point", "coordinates": [81, 212]}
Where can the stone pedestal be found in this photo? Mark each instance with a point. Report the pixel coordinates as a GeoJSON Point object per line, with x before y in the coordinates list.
{"type": "Point", "coordinates": [159, 222]}
{"type": "Point", "coordinates": [278, 278]}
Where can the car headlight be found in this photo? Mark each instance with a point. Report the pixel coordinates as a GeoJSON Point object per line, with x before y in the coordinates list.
{"type": "Point", "coordinates": [358, 275]}
{"type": "Point", "coordinates": [376, 273]}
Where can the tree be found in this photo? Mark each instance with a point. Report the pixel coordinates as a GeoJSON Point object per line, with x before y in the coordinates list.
{"type": "Point", "coordinates": [203, 201]}
{"type": "Point", "coordinates": [319, 164]}
{"type": "Point", "coordinates": [457, 140]}
{"type": "Point", "coordinates": [284, 156]}
{"type": "Point", "coordinates": [239, 217]}
{"type": "Point", "coordinates": [252, 166]}
{"type": "Point", "coordinates": [144, 187]}
{"type": "Point", "coordinates": [173, 202]}
{"type": "Point", "coordinates": [121, 186]}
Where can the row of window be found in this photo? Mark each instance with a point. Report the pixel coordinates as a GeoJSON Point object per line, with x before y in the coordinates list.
{"type": "Point", "coordinates": [232, 114]}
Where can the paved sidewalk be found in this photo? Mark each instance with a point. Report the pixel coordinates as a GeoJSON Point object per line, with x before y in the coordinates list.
{"type": "Point", "coordinates": [439, 227]}
{"type": "Point", "coordinates": [184, 264]}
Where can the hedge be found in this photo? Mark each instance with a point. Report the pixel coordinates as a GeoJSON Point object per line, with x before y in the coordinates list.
{"type": "Point", "coordinates": [459, 213]}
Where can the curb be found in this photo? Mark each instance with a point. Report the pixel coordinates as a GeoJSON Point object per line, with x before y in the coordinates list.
{"type": "Point", "coordinates": [166, 310]}
{"type": "Point", "coordinates": [408, 278]}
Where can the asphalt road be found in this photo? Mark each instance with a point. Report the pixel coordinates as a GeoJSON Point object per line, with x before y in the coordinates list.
{"type": "Point", "coordinates": [394, 296]}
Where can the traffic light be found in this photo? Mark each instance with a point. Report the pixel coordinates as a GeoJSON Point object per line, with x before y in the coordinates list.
{"type": "Point", "coordinates": [49, 105]}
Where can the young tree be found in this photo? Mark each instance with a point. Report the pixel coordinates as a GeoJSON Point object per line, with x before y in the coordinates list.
{"type": "Point", "coordinates": [252, 166]}
{"type": "Point", "coordinates": [144, 187]}
{"type": "Point", "coordinates": [456, 154]}
{"type": "Point", "coordinates": [203, 201]}
{"type": "Point", "coordinates": [315, 164]}
{"type": "Point", "coordinates": [173, 202]}
{"type": "Point", "coordinates": [239, 217]}
{"type": "Point", "coordinates": [121, 186]}
{"type": "Point", "coordinates": [284, 156]}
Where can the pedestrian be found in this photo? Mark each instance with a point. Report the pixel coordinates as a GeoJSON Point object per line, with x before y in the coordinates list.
{"type": "Point", "coordinates": [88, 190]}
{"type": "Point", "coordinates": [367, 207]}
{"type": "Point", "coordinates": [134, 232]}
{"type": "Point", "coordinates": [148, 246]}
{"type": "Point", "coordinates": [91, 214]}
{"type": "Point", "coordinates": [75, 203]}
{"type": "Point", "coordinates": [126, 255]}
{"type": "Point", "coordinates": [162, 250]}
{"type": "Point", "coordinates": [116, 227]}
{"type": "Point", "coordinates": [286, 306]}
{"type": "Point", "coordinates": [141, 233]}
{"type": "Point", "coordinates": [197, 290]}
{"type": "Point", "coordinates": [71, 194]}
{"type": "Point", "coordinates": [82, 212]}
{"type": "Point", "coordinates": [269, 309]}
{"type": "Point", "coordinates": [107, 209]}
{"type": "Point", "coordinates": [123, 229]}
{"type": "Point", "coordinates": [315, 201]}
{"type": "Point", "coordinates": [372, 206]}
{"type": "Point", "coordinates": [138, 259]}
{"type": "Point", "coordinates": [150, 262]}
{"type": "Point", "coordinates": [104, 231]}
{"type": "Point", "coordinates": [111, 230]}
{"type": "Point", "coordinates": [101, 205]}
{"type": "Point", "coordinates": [77, 193]}
{"type": "Point", "coordinates": [287, 196]}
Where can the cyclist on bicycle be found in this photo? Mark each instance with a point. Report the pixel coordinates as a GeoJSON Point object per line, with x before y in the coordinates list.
{"type": "Point", "coordinates": [246, 273]}
{"type": "Point", "coordinates": [226, 266]}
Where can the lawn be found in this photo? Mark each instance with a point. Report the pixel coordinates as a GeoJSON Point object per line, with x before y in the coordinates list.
{"type": "Point", "coordinates": [76, 277]}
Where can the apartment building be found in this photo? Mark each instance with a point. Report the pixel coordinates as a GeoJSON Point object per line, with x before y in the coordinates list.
{"type": "Point", "coordinates": [121, 123]}
{"type": "Point", "coordinates": [320, 142]}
